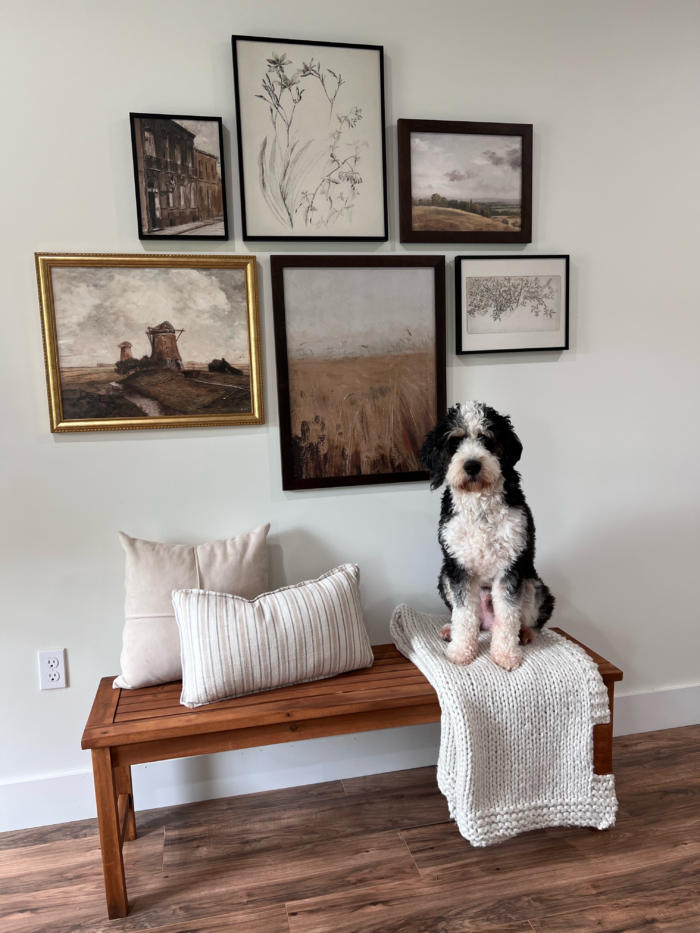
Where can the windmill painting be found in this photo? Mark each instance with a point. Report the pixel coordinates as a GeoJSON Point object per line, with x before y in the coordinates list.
{"type": "Point", "coordinates": [150, 341]}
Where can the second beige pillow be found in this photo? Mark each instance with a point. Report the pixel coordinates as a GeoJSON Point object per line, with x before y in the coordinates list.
{"type": "Point", "coordinates": [151, 651]}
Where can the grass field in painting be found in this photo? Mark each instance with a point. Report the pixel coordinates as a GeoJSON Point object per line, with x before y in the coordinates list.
{"type": "Point", "coordinates": [449, 219]}
{"type": "Point", "coordinates": [360, 416]}
{"type": "Point", "coordinates": [99, 392]}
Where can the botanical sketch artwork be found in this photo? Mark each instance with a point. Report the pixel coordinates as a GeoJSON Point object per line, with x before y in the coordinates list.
{"type": "Point", "coordinates": [513, 304]}
{"type": "Point", "coordinates": [361, 359]}
{"type": "Point", "coordinates": [465, 182]}
{"type": "Point", "coordinates": [311, 140]}
{"type": "Point", "coordinates": [307, 188]}
{"type": "Point", "coordinates": [139, 343]}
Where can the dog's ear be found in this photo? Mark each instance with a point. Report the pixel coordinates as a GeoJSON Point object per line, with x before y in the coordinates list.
{"type": "Point", "coordinates": [510, 448]}
{"type": "Point", "coordinates": [434, 454]}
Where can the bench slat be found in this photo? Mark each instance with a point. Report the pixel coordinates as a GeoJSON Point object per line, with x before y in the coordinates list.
{"type": "Point", "coordinates": [228, 740]}
{"type": "Point", "coordinates": [136, 698]}
{"type": "Point", "coordinates": [191, 722]}
{"type": "Point", "coordinates": [105, 704]}
{"type": "Point", "coordinates": [355, 681]}
{"type": "Point", "coordinates": [173, 707]}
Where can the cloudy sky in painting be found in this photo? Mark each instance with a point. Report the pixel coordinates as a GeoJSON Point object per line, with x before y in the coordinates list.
{"type": "Point", "coordinates": [465, 167]}
{"type": "Point", "coordinates": [97, 309]}
{"type": "Point", "coordinates": [206, 136]}
{"type": "Point", "coordinates": [340, 313]}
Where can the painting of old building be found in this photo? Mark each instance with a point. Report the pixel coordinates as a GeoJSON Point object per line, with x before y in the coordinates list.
{"type": "Point", "coordinates": [179, 176]}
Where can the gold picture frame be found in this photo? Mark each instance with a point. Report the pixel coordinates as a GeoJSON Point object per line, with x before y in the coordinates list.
{"type": "Point", "coordinates": [83, 308]}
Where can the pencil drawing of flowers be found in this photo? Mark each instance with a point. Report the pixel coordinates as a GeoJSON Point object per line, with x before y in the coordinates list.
{"type": "Point", "coordinates": [306, 185]}
{"type": "Point", "coordinates": [501, 295]}
{"type": "Point", "coordinates": [513, 303]}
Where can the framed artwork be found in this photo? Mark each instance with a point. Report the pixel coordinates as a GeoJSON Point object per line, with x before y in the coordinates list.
{"type": "Point", "coordinates": [153, 341]}
{"type": "Point", "coordinates": [179, 177]}
{"type": "Point", "coordinates": [311, 146]}
{"type": "Point", "coordinates": [465, 182]}
{"type": "Point", "coordinates": [360, 347]}
{"type": "Point", "coordinates": [507, 303]}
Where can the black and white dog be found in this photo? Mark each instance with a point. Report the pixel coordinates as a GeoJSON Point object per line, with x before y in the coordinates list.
{"type": "Point", "coordinates": [488, 578]}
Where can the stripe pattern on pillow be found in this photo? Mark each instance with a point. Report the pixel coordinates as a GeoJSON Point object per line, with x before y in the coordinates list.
{"type": "Point", "coordinates": [233, 646]}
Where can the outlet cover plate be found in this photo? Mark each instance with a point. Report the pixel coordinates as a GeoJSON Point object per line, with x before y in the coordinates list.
{"type": "Point", "coordinates": [52, 669]}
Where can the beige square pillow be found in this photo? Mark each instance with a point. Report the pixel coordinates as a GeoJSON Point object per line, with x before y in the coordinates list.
{"type": "Point", "coordinates": [233, 646]}
{"type": "Point", "coordinates": [151, 652]}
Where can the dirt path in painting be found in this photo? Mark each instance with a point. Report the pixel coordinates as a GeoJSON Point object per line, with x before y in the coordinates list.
{"type": "Point", "coordinates": [362, 415]}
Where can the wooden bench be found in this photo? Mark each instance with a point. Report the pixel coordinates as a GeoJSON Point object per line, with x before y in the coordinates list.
{"type": "Point", "coordinates": [128, 727]}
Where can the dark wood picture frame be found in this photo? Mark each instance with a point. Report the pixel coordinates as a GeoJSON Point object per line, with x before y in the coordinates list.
{"type": "Point", "coordinates": [408, 235]}
{"type": "Point", "coordinates": [159, 164]}
{"type": "Point", "coordinates": [278, 43]}
{"type": "Point", "coordinates": [278, 266]}
{"type": "Point", "coordinates": [460, 350]}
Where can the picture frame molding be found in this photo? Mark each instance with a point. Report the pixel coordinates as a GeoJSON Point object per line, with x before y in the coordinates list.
{"type": "Point", "coordinates": [45, 262]}
{"type": "Point", "coordinates": [239, 140]}
{"type": "Point", "coordinates": [278, 263]}
{"type": "Point", "coordinates": [459, 127]}
{"type": "Point", "coordinates": [460, 351]}
{"type": "Point", "coordinates": [139, 218]}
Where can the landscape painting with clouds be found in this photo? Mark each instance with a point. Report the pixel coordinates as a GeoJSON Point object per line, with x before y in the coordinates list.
{"type": "Point", "coordinates": [134, 340]}
{"type": "Point", "coordinates": [466, 182]}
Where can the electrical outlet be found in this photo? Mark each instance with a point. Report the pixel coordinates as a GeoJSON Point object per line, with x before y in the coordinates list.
{"type": "Point", "coordinates": [52, 669]}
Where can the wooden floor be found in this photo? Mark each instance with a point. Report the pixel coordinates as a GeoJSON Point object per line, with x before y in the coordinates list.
{"type": "Point", "coordinates": [378, 855]}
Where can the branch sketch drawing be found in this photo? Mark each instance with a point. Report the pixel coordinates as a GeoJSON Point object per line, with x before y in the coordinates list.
{"type": "Point", "coordinates": [286, 163]}
{"type": "Point", "coordinates": [499, 296]}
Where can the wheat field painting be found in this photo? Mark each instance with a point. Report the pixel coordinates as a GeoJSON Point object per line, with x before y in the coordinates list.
{"type": "Point", "coordinates": [361, 360]}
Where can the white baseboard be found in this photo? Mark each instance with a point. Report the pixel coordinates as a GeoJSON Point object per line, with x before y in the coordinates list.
{"type": "Point", "coordinates": [658, 709]}
{"type": "Point", "coordinates": [67, 797]}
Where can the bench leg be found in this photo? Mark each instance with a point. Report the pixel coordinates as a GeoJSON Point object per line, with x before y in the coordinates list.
{"type": "Point", "coordinates": [603, 739]}
{"type": "Point", "coordinates": [122, 777]}
{"type": "Point", "coordinates": [110, 842]}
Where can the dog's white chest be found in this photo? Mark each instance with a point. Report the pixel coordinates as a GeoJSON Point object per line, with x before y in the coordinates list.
{"type": "Point", "coordinates": [485, 536]}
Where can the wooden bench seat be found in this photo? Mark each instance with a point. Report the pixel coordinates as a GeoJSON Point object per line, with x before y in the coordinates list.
{"type": "Point", "coordinates": [128, 727]}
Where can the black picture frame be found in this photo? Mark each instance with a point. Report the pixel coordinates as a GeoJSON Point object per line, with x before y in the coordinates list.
{"type": "Point", "coordinates": [151, 202]}
{"type": "Point", "coordinates": [380, 237]}
{"type": "Point", "coordinates": [290, 478]}
{"type": "Point", "coordinates": [560, 339]}
{"type": "Point", "coordinates": [408, 234]}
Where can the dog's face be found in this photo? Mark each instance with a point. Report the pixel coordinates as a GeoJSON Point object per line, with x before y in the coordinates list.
{"type": "Point", "coordinates": [471, 448]}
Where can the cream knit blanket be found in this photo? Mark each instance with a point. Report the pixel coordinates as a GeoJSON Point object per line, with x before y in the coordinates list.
{"type": "Point", "coordinates": [516, 751]}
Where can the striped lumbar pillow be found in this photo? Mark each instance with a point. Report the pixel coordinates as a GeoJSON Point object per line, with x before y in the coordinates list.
{"type": "Point", "coordinates": [232, 646]}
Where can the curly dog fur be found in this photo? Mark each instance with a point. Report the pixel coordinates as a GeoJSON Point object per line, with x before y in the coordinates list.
{"type": "Point", "coordinates": [487, 534]}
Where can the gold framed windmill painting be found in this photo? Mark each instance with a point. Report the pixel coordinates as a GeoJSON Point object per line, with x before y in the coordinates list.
{"type": "Point", "coordinates": [155, 341]}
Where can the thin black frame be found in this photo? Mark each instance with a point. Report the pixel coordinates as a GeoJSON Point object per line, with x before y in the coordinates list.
{"type": "Point", "coordinates": [277, 266]}
{"type": "Point", "coordinates": [239, 138]}
{"type": "Point", "coordinates": [462, 128]}
{"type": "Point", "coordinates": [177, 236]}
{"type": "Point", "coordinates": [458, 304]}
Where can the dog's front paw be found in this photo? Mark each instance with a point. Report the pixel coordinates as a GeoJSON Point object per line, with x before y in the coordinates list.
{"type": "Point", "coordinates": [527, 635]}
{"type": "Point", "coordinates": [446, 632]}
{"type": "Point", "coordinates": [507, 659]}
{"type": "Point", "coordinates": [462, 654]}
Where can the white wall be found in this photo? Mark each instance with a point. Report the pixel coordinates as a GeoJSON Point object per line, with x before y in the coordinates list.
{"type": "Point", "coordinates": [610, 428]}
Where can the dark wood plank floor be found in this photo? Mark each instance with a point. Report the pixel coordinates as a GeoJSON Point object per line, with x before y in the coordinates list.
{"type": "Point", "coordinates": [378, 855]}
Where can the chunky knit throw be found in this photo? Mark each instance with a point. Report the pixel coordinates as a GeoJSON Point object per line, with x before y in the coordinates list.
{"type": "Point", "coordinates": [516, 751]}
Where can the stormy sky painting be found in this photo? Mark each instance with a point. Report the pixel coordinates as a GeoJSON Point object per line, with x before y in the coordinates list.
{"type": "Point", "coordinates": [98, 308]}
{"type": "Point", "coordinates": [466, 167]}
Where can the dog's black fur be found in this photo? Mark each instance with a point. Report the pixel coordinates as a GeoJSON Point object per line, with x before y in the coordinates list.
{"type": "Point", "coordinates": [477, 431]}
